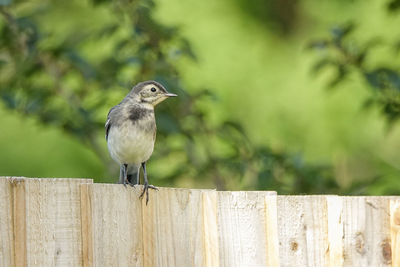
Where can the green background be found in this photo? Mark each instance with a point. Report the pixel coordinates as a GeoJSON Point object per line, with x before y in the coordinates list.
{"type": "Point", "coordinates": [261, 76]}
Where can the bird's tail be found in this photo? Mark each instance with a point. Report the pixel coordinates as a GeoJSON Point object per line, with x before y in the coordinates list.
{"type": "Point", "coordinates": [132, 174]}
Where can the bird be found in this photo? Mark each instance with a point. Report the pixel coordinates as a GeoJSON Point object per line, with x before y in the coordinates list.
{"type": "Point", "coordinates": [130, 132]}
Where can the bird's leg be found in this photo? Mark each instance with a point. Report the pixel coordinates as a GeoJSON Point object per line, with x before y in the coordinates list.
{"type": "Point", "coordinates": [125, 173]}
{"type": "Point", "coordinates": [146, 184]}
{"type": "Point", "coordinates": [138, 176]}
{"type": "Point", "coordinates": [121, 174]}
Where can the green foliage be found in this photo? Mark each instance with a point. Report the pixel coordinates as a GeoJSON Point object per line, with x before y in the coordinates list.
{"type": "Point", "coordinates": [347, 56]}
{"type": "Point", "coordinates": [68, 73]}
{"type": "Point", "coordinates": [278, 15]}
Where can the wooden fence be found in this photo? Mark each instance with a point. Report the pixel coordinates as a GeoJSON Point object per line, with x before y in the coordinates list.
{"type": "Point", "coordinates": [73, 222]}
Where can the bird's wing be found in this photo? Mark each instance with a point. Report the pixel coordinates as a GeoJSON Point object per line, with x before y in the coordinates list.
{"type": "Point", "coordinates": [107, 126]}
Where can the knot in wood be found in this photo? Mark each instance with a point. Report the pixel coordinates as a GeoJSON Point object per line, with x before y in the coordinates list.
{"type": "Point", "coordinates": [294, 245]}
{"type": "Point", "coordinates": [386, 251]}
{"type": "Point", "coordinates": [360, 243]}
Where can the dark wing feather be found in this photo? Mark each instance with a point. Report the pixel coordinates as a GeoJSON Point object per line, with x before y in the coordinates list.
{"type": "Point", "coordinates": [107, 126]}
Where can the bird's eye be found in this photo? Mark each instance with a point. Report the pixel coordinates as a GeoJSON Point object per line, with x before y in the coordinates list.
{"type": "Point", "coordinates": [153, 89]}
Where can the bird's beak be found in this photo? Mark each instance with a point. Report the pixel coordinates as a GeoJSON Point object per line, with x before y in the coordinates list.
{"type": "Point", "coordinates": [170, 94]}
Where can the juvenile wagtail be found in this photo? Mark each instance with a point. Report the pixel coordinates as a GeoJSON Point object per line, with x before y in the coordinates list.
{"type": "Point", "coordinates": [131, 131]}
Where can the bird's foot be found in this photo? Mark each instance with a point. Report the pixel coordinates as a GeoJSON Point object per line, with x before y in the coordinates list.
{"type": "Point", "coordinates": [131, 184]}
{"type": "Point", "coordinates": [146, 190]}
{"type": "Point", "coordinates": [126, 183]}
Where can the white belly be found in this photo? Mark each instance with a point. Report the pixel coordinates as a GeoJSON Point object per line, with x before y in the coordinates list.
{"type": "Point", "coordinates": [127, 145]}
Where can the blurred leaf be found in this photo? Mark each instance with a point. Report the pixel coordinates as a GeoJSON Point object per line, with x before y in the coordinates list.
{"type": "Point", "coordinates": [340, 32]}
{"type": "Point", "coordinates": [107, 30]}
{"type": "Point", "coordinates": [393, 5]}
{"type": "Point", "coordinates": [382, 78]}
{"type": "Point", "coordinates": [2, 62]}
{"type": "Point", "coordinates": [321, 64]}
{"type": "Point", "coordinates": [319, 45]}
{"type": "Point", "coordinates": [81, 64]}
{"type": "Point", "coordinates": [5, 2]}
{"type": "Point", "coordinates": [99, 2]}
{"type": "Point", "coordinates": [9, 100]}
{"type": "Point", "coordinates": [340, 76]}
{"type": "Point", "coordinates": [281, 16]}
{"type": "Point", "coordinates": [349, 57]}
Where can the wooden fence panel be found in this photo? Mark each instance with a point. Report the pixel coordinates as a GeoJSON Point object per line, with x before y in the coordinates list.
{"type": "Point", "coordinates": [53, 222]}
{"type": "Point", "coordinates": [113, 224]}
{"type": "Point", "coordinates": [6, 223]}
{"type": "Point", "coordinates": [210, 228]}
{"type": "Point", "coordinates": [367, 231]}
{"type": "Point", "coordinates": [303, 230]}
{"type": "Point", "coordinates": [335, 231]}
{"type": "Point", "coordinates": [45, 217]}
{"type": "Point", "coordinates": [395, 230]}
{"type": "Point", "coordinates": [174, 228]}
{"type": "Point", "coordinates": [19, 221]}
{"type": "Point", "coordinates": [72, 222]}
{"type": "Point", "coordinates": [245, 233]}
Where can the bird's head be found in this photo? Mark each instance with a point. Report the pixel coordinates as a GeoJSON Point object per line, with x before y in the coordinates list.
{"type": "Point", "coordinates": [150, 92]}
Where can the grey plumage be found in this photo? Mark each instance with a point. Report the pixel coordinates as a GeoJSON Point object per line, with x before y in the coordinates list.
{"type": "Point", "coordinates": [130, 130]}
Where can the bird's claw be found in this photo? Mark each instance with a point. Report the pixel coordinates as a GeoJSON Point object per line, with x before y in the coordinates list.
{"type": "Point", "coordinates": [127, 183]}
{"type": "Point", "coordinates": [146, 187]}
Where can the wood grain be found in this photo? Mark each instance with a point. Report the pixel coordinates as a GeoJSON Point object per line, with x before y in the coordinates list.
{"type": "Point", "coordinates": [271, 218]}
{"type": "Point", "coordinates": [173, 228]}
{"type": "Point", "coordinates": [395, 231]}
{"type": "Point", "coordinates": [6, 223]}
{"type": "Point", "coordinates": [116, 225]}
{"type": "Point", "coordinates": [366, 223]}
{"type": "Point", "coordinates": [53, 222]}
{"type": "Point", "coordinates": [243, 229]}
{"type": "Point", "coordinates": [72, 222]}
{"type": "Point", "coordinates": [303, 230]}
{"type": "Point", "coordinates": [210, 228]}
{"type": "Point", "coordinates": [87, 224]}
{"type": "Point", "coordinates": [19, 221]}
{"type": "Point", "coordinates": [335, 231]}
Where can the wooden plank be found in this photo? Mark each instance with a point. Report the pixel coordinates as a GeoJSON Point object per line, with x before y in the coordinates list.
{"type": "Point", "coordinates": [335, 231]}
{"type": "Point", "coordinates": [6, 223]}
{"type": "Point", "coordinates": [395, 231]}
{"type": "Point", "coordinates": [366, 223]}
{"type": "Point", "coordinates": [303, 230]}
{"type": "Point", "coordinates": [210, 228]}
{"type": "Point", "coordinates": [53, 228]}
{"type": "Point", "coordinates": [173, 228]}
{"type": "Point", "coordinates": [116, 225]}
{"type": "Point", "coordinates": [243, 228]}
{"type": "Point", "coordinates": [19, 221]}
{"type": "Point", "coordinates": [271, 218]}
{"type": "Point", "coordinates": [87, 225]}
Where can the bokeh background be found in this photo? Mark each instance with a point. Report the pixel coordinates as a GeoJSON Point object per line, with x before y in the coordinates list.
{"type": "Point", "coordinates": [294, 96]}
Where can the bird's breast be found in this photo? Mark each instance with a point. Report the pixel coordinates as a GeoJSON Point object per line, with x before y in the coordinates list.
{"type": "Point", "coordinates": [132, 142]}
